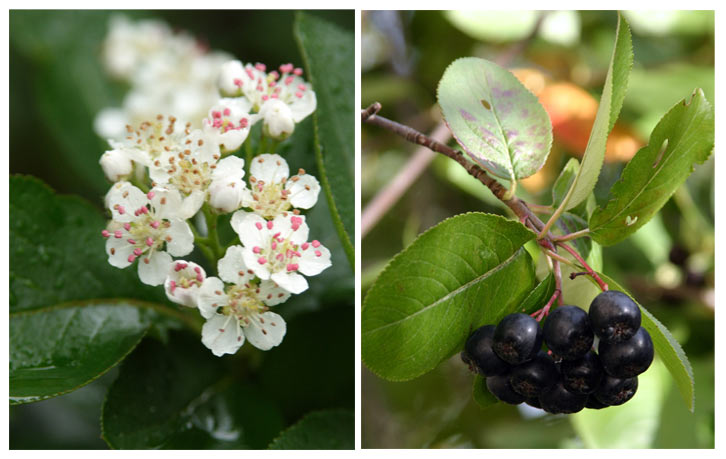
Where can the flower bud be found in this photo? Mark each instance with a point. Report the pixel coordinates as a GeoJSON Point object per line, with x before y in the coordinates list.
{"type": "Point", "coordinates": [231, 73]}
{"type": "Point", "coordinates": [226, 195]}
{"type": "Point", "coordinates": [278, 120]}
{"type": "Point", "coordinates": [116, 165]}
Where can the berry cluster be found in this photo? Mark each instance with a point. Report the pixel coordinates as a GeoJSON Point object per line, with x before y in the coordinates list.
{"type": "Point", "coordinates": [571, 375]}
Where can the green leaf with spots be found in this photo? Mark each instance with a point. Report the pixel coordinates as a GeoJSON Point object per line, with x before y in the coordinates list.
{"type": "Point", "coordinates": [495, 119]}
{"type": "Point", "coordinates": [329, 56]}
{"type": "Point", "coordinates": [59, 349]}
{"type": "Point", "coordinates": [616, 83]}
{"type": "Point", "coordinates": [467, 271]}
{"type": "Point", "coordinates": [57, 253]}
{"type": "Point", "coordinates": [331, 429]}
{"type": "Point", "coordinates": [683, 138]}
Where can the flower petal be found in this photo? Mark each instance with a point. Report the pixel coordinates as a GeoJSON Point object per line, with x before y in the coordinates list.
{"type": "Point", "coordinates": [211, 296]}
{"type": "Point", "coordinates": [182, 238]}
{"type": "Point", "coordinates": [303, 106]}
{"type": "Point", "coordinates": [266, 330]}
{"type": "Point", "coordinates": [272, 294]}
{"type": "Point", "coordinates": [123, 199]}
{"type": "Point", "coordinates": [222, 335]}
{"type": "Point", "coordinates": [232, 264]}
{"type": "Point", "coordinates": [191, 204]}
{"type": "Point", "coordinates": [153, 268]}
{"type": "Point", "coordinates": [231, 168]}
{"type": "Point", "coordinates": [313, 260]}
{"type": "Point", "coordinates": [251, 229]}
{"type": "Point", "coordinates": [174, 287]}
{"type": "Point", "coordinates": [304, 191]}
{"type": "Point", "coordinates": [269, 168]}
{"type": "Point", "coordinates": [118, 250]}
{"type": "Point", "coordinates": [166, 202]}
{"type": "Point", "coordinates": [290, 281]}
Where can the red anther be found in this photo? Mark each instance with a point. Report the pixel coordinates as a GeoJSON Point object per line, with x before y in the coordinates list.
{"type": "Point", "coordinates": [256, 249]}
{"type": "Point", "coordinates": [121, 210]}
{"type": "Point", "coordinates": [286, 68]}
{"type": "Point", "coordinates": [117, 234]}
{"type": "Point", "coordinates": [262, 260]}
{"type": "Point", "coordinates": [274, 245]}
{"type": "Point", "coordinates": [269, 225]}
{"type": "Point", "coordinates": [292, 267]}
{"type": "Point", "coordinates": [260, 67]}
{"type": "Point", "coordinates": [150, 194]}
{"type": "Point", "coordinates": [155, 224]}
{"type": "Point", "coordinates": [131, 258]}
{"type": "Point", "coordinates": [299, 95]}
{"type": "Point", "coordinates": [172, 286]}
{"type": "Point", "coordinates": [289, 80]}
{"type": "Point", "coordinates": [318, 253]}
{"type": "Point", "coordinates": [298, 71]}
{"type": "Point", "coordinates": [305, 245]}
{"type": "Point", "coordinates": [316, 243]}
{"type": "Point", "coordinates": [301, 87]}
{"type": "Point", "coordinates": [237, 82]}
{"type": "Point", "coordinates": [131, 241]}
{"type": "Point", "coordinates": [227, 112]}
{"type": "Point", "coordinates": [127, 226]}
{"type": "Point", "coordinates": [259, 226]}
{"type": "Point", "coordinates": [149, 241]}
{"type": "Point", "coordinates": [137, 252]}
{"type": "Point", "coordinates": [216, 114]}
{"type": "Point", "coordinates": [105, 233]}
{"type": "Point", "coordinates": [197, 270]}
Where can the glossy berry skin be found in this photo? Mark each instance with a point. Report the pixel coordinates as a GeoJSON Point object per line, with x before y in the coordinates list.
{"type": "Point", "coordinates": [478, 350]}
{"type": "Point", "coordinates": [533, 402]}
{"type": "Point", "coordinates": [594, 404]}
{"type": "Point", "coordinates": [582, 376]}
{"type": "Point", "coordinates": [629, 358]}
{"type": "Point", "coordinates": [614, 316]}
{"type": "Point", "coordinates": [567, 332]}
{"type": "Point", "coordinates": [517, 338]}
{"type": "Point", "coordinates": [616, 391]}
{"type": "Point", "coordinates": [500, 388]}
{"type": "Point", "coordinates": [531, 378]}
{"type": "Point", "coordinates": [558, 400]}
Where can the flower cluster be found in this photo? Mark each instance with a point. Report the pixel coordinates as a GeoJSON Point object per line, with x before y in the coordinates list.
{"type": "Point", "coordinates": [172, 180]}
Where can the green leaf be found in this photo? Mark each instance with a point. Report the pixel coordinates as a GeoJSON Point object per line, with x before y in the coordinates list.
{"type": "Point", "coordinates": [481, 394]}
{"type": "Point", "coordinates": [329, 56]}
{"type": "Point", "coordinates": [332, 429]}
{"type": "Point", "coordinates": [57, 350]}
{"type": "Point", "coordinates": [466, 271]}
{"type": "Point", "coordinates": [564, 181]}
{"type": "Point", "coordinates": [570, 223]}
{"type": "Point", "coordinates": [57, 252]}
{"type": "Point", "coordinates": [495, 119]}
{"type": "Point", "coordinates": [179, 396]}
{"type": "Point", "coordinates": [539, 296]}
{"type": "Point", "coordinates": [683, 138]}
{"type": "Point", "coordinates": [611, 101]}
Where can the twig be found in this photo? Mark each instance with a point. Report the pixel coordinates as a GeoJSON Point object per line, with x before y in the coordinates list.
{"type": "Point", "coordinates": [571, 236]}
{"type": "Point", "coordinates": [583, 263]}
{"type": "Point", "coordinates": [409, 173]}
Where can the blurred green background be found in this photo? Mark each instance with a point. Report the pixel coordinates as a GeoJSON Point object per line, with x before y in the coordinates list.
{"type": "Point", "coordinates": [57, 85]}
{"type": "Point", "coordinates": [667, 265]}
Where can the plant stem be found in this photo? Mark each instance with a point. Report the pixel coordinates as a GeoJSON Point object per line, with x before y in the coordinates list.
{"type": "Point", "coordinates": [212, 237]}
{"type": "Point", "coordinates": [583, 263]}
{"type": "Point", "coordinates": [540, 209]}
{"type": "Point", "coordinates": [571, 236]}
{"type": "Point", "coordinates": [559, 258]}
{"type": "Point", "coordinates": [249, 154]}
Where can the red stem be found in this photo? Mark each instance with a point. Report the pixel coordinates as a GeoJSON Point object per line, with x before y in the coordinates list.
{"type": "Point", "coordinates": [588, 269]}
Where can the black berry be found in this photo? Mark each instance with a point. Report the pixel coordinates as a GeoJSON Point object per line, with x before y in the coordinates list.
{"type": "Point", "coordinates": [567, 332]}
{"type": "Point", "coordinates": [614, 316]}
{"type": "Point", "coordinates": [500, 388]}
{"type": "Point", "coordinates": [594, 403]}
{"type": "Point", "coordinates": [533, 402]}
{"type": "Point", "coordinates": [629, 358]}
{"type": "Point", "coordinates": [558, 400]}
{"type": "Point", "coordinates": [478, 352]}
{"type": "Point", "coordinates": [616, 391]}
{"type": "Point", "coordinates": [582, 376]}
{"type": "Point", "coordinates": [517, 338]}
{"type": "Point", "coordinates": [531, 378]}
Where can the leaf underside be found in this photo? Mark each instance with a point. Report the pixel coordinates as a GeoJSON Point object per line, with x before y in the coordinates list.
{"type": "Point", "coordinates": [495, 119]}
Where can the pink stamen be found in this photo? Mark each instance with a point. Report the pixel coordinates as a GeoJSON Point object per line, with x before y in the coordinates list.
{"type": "Point", "coordinates": [180, 266]}
{"type": "Point", "coordinates": [318, 253]}
{"type": "Point", "coordinates": [298, 71]}
{"type": "Point", "coordinates": [149, 241]}
{"type": "Point", "coordinates": [127, 226]}
{"type": "Point", "coordinates": [269, 225]}
{"type": "Point", "coordinates": [227, 112]}
{"type": "Point", "coordinates": [289, 80]}
{"type": "Point", "coordinates": [274, 246]}
{"type": "Point", "coordinates": [105, 233]}
{"type": "Point", "coordinates": [256, 249]}
{"type": "Point", "coordinates": [296, 222]}
{"type": "Point", "coordinates": [121, 210]}
{"type": "Point", "coordinates": [137, 252]}
{"type": "Point", "coordinates": [292, 267]}
{"type": "Point", "coordinates": [260, 67]}
{"type": "Point", "coordinates": [200, 278]}
{"type": "Point", "coordinates": [301, 87]}
{"type": "Point", "coordinates": [216, 114]}
{"type": "Point", "coordinates": [117, 234]}
{"type": "Point", "coordinates": [305, 246]}
{"type": "Point", "coordinates": [197, 270]}
{"type": "Point", "coordinates": [262, 260]}
{"type": "Point", "coordinates": [131, 241]}
{"type": "Point", "coordinates": [286, 68]}
{"type": "Point", "coordinates": [237, 82]}
{"type": "Point", "coordinates": [259, 226]}
{"type": "Point", "coordinates": [155, 224]}
{"type": "Point", "coordinates": [131, 258]}
{"type": "Point", "coordinates": [274, 75]}
{"type": "Point", "coordinates": [250, 74]}
{"type": "Point", "coordinates": [279, 257]}
{"type": "Point", "coordinates": [316, 243]}
{"type": "Point", "coordinates": [172, 286]}
{"type": "Point", "coordinates": [150, 194]}
{"type": "Point", "coordinates": [299, 95]}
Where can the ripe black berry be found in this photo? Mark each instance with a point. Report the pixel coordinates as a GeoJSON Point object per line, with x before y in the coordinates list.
{"type": "Point", "coordinates": [531, 378]}
{"type": "Point", "coordinates": [616, 391]}
{"type": "Point", "coordinates": [533, 402]}
{"type": "Point", "coordinates": [582, 376]}
{"type": "Point", "coordinates": [479, 354]}
{"type": "Point", "coordinates": [500, 388]}
{"type": "Point", "coordinates": [567, 332]}
{"type": "Point", "coordinates": [517, 338]}
{"type": "Point", "coordinates": [628, 358]}
{"type": "Point", "coordinates": [614, 316]}
{"type": "Point", "coordinates": [594, 404]}
{"type": "Point", "coordinates": [557, 399]}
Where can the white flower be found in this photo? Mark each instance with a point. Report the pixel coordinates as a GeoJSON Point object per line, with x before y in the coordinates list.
{"type": "Point", "coordinates": [241, 309]}
{"type": "Point", "coordinates": [147, 142]}
{"type": "Point", "coordinates": [278, 249]}
{"type": "Point", "coordinates": [260, 87]}
{"type": "Point", "coordinates": [145, 226]}
{"type": "Point", "coordinates": [129, 44]}
{"type": "Point", "coordinates": [272, 190]}
{"type": "Point", "coordinates": [277, 118]}
{"type": "Point", "coordinates": [191, 165]}
{"type": "Point", "coordinates": [117, 164]}
{"type": "Point", "coordinates": [183, 282]}
{"type": "Point", "coordinates": [228, 123]}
